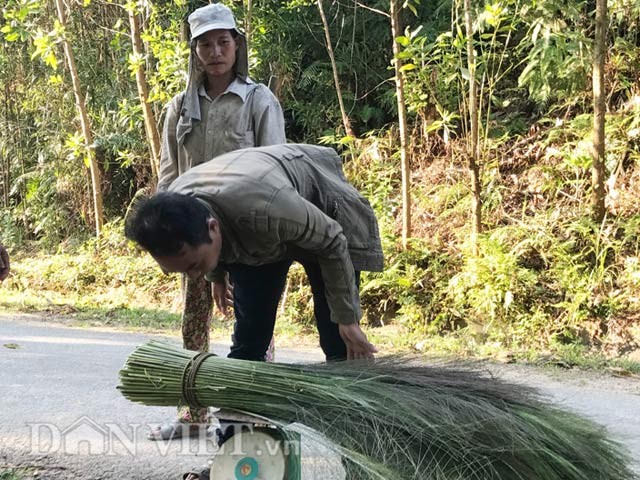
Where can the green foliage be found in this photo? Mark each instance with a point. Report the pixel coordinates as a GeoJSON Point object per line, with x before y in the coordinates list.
{"type": "Point", "coordinates": [288, 42]}
{"type": "Point", "coordinates": [11, 231]}
{"type": "Point", "coordinates": [558, 52]}
{"type": "Point", "coordinates": [45, 48]}
{"type": "Point", "coordinates": [491, 287]}
{"type": "Point", "coordinates": [543, 274]}
{"type": "Point", "coordinates": [11, 474]}
{"type": "Point", "coordinates": [436, 68]}
{"type": "Point", "coordinates": [167, 72]}
{"type": "Point", "coordinates": [409, 291]}
{"type": "Point", "coordinates": [583, 266]}
{"type": "Point", "coordinates": [17, 17]}
{"type": "Point", "coordinates": [102, 282]}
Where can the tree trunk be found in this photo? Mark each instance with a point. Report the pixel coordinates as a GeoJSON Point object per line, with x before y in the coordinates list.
{"type": "Point", "coordinates": [6, 163]}
{"type": "Point", "coordinates": [396, 31]}
{"type": "Point", "coordinates": [151, 127]}
{"type": "Point", "coordinates": [247, 23]}
{"type": "Point", "coordinates": [599, 110]}
{"type": "Point", "coordinates": [84, 123]}
{"type": "Point", "coordinates": [23, 171]}
{"type": "Point", "coordinates": [345, 118]}
{"type": "Point", "coordinates": [275, 84]}
{"type": "Point", "coordinates": [473, 149]}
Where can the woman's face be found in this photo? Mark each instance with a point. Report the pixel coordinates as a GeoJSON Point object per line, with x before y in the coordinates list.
{"type": "Point", "coordinates": [216, 52]}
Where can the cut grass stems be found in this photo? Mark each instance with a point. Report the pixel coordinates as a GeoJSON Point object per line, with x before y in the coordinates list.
{"type": "Point", "coordinates": [392, 418]}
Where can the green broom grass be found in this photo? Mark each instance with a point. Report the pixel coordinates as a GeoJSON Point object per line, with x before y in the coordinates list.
{"type": "Point", "coordinates": [393, 419]}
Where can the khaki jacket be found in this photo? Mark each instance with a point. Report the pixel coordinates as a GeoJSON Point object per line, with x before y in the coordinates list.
{"type": "Point", "coordinates": [246, 115]}
{"type": "Point", "coordinates": [290, 201]}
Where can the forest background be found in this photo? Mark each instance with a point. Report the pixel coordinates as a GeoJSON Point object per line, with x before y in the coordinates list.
{"type": "Point", "coordinates": [499, 143]}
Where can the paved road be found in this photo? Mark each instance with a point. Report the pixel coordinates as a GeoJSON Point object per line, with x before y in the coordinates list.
{"type": "Point", "coordinates": [61, 414]}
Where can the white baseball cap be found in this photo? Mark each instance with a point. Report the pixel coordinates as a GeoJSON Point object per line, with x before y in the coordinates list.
{"type": "Point", "coordinates": [220, 17]}
{"type": "Point", "coordinates": [212, 17]}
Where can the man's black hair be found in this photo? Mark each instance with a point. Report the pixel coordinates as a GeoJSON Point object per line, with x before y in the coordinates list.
{"type": "Point", "coordinates": [163, 223]}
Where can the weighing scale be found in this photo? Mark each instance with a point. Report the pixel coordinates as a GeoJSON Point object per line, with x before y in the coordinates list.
{"type": "Point", "coordinates": [252, 449]}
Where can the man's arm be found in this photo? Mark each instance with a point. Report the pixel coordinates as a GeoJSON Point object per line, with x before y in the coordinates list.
{"type": "Point", "coordinates": [268, 119]}
{"type": "Point", "coordinates": [169, 148]}
{"type": "Point", "coordinates": [222, 292]}
{"type": "Point", "coordinates": [303, 225]}
{"type": "Point", "coordinates": [358, 347]}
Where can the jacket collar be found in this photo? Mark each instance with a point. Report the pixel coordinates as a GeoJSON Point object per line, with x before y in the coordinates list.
{"type": "Point", "coordinates": [238, 87]}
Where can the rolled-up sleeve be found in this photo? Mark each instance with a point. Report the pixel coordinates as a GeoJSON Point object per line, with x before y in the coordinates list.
{"type": "Point", "coordinates": [301, 224]}
{"type": "Point", "coordinates": [169, 150]}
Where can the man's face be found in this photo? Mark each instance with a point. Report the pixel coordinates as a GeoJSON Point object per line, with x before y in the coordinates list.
{"type": "Point", "coordinates": [195, 261]}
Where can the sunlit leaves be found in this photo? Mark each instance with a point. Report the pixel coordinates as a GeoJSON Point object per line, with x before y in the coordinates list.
{"type": "Point", "coordinates": [293, 4]}
{"type": "Point", "coordinates": [493, 14]}
{"type": "Point", "coordinates": [131, 6]}
{"type": "Point", "coordinates": [55, 79]}
{"type": "Point", "coordinates": [407, 67]}
{"type": "Point", "coordinates": [76, 146]}
{"type": "Point", "coordinates": [412, 5]}
{"type": "Point", "coordinates": [45, 45]}
{"type": "Point", "coordinates": [169, 54]}
{"type": "Point", "coordinates": [558, 51]}
{"type": "Point", "coordinates": [136, 60]}
{"type": "Point", "coordinates": [403, 41]}
{"type": "Point", "coordinates": [16, 17]}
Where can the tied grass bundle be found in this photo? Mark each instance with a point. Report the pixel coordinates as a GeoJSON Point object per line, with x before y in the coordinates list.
{"type": "Point", "coordinates": [392, 419]}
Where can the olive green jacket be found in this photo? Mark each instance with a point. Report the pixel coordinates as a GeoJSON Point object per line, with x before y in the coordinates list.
{"type": "Point", "coordinates": [290, 201]}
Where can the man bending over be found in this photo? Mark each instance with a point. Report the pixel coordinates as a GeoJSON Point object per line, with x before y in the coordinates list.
{"type": "Point", "coordinates": [245, 216]}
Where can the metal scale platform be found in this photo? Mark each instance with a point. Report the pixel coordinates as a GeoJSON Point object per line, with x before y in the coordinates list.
{"type": "Point", "coordinates": [252, 449]}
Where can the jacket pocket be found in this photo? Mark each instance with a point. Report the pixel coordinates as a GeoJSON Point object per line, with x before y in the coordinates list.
{"type": "Point", "coordinates": [358, 222]}
{"type": "Point", "coordinates": [237, 141]}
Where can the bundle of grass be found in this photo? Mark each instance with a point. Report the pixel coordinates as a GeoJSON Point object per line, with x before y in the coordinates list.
{"type": "Point", "coordinates": [391, 419]}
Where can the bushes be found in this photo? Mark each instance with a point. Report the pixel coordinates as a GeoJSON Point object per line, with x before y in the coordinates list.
{"type": "Point", "coordinates": [544, 273]}
{"type": "Point", "coordinates": [106, 273]}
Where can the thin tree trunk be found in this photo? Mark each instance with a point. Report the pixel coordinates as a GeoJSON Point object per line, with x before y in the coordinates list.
{"type": "Point", "coordinates": [345, 118]}
{"type": "Point", "coordinates": [23, 171]}
{"type": "Point", "coordinates": [18, 142]}
{"type": "Point", "coordinates": [6, 165]}
{"type": "Point", "coordinates": [275, 83]}
{"type": "Point", "coordinates": [599, 110]}
{"type": "Point", "coordinates": [248, 22]}
{"type": "Point", "coordinates": [396, 31]}
{"type": "Point", "coordinates": [151, 127]}
{"type": "Point", "coordinates": [84, 123]}
{"type": "Point", "coordinates": [473, 153]}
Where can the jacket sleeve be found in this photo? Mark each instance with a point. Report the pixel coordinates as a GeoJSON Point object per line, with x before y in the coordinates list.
{"type": "Point", "coordinates": [302, 225]}
{"type": "Point", "coordinates": [169, 149]}
{"type": "Point", "coordinates": [268, 119]}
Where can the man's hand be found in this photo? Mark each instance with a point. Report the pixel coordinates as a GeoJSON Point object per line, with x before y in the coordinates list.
{"type": "Point", "coordinates": [358, 347]}
{"type": "Point", "coordinates": [4, 263]}
{"type": "Point", "coordinates": [222, 296]}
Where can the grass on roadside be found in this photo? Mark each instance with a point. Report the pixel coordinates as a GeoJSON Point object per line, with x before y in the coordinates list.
{"type": "Point", "coordinates": [11, 474]}
{"type": "Point", "coordinates": [126, 291]}
{"type": "Point", "coordinates": [579, 356]}
{"type": "Point", "coordinates": [389, 339]}
{"type": "Point", "coordinates": [78, 312]}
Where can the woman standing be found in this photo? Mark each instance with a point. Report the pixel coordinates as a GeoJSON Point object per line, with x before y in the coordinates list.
{"type": "Point", "coordinates": [221, 110]}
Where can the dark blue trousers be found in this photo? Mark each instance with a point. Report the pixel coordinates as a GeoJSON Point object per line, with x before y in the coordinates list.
{"type": "Point", "coordinates": [256, 293]}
